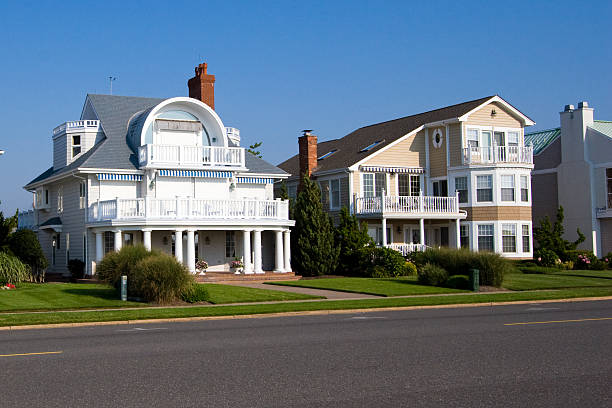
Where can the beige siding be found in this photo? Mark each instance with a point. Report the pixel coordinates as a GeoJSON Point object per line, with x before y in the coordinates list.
{"type": "Point", "coordinates": [437, 156]}
{"type": "Point", "coordinates": [455, 144]}
{"type": "Point", "coordinates": [493, 213]}
{"type": "Point", "coordinates": [502, 118]}
{"type": "Point", "coordinates": [544, 196]}
{"type": "Point", "coordinates": [409, 152]}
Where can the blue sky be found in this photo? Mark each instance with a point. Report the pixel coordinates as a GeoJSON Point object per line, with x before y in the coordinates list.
{"type": "Point", "coordinates": [281, 67]}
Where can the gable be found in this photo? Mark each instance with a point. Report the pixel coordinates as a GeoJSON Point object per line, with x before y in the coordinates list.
{"type": "Point", "coordinates": [503, 116]}
{"type": "Point", "coordinates": [408, 152]}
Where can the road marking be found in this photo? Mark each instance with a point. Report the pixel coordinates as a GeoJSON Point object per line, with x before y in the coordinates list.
{"type": "Point", "coordinates": [31, 354]}
{"type": "Point", "coordinates": [143, 329]}
{"type": "Point", "coordinates": [367, 317]}
{"type": "Point", "coordinates": [559, 321]}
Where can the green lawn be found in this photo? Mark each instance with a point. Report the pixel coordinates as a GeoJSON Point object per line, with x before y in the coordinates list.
{"type": "Point", "coordinates": [371, 286]}
{"type": "Point", "coordinates": [561, 279]}
{"type": "Point", "coordinates": [219, 294]}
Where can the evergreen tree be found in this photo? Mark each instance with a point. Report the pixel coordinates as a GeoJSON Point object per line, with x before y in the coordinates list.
{"type": "Point", "coordinates": [312, 245]}
{"type": "Point", "coordinates": [7, 225]}
{"type": "Point", "coordinates": [253, 149]}
{"type": "Point", "coordinates": [351, 237]}
{"type": "Point", "coordinates": [550, 236]}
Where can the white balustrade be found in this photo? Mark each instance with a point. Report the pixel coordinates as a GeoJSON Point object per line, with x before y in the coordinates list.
{"type": "Point", "coordinates": [498, 154]}
{"type": "Point", "coordinates": [406, 249]}
{"type": "Point", "coordinates": [27, 219]}
{"type": "Point", "coordinates": [76, 125]}
{"type": "Point", "coordinates": [187, 209]}
{"type": "Point", "coordinates": [191, 156]}
{"type": "Point", "coordinates": [406, 205]}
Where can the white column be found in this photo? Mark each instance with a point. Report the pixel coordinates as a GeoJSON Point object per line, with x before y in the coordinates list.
{"type": "Point", "coordinates": [384, 232]}
{"type": "Point", "coordinates": [99, 246]}
{"type": "Point", "coordinates": [246, 249]}
{"type": "Point", "coordinates": [191, 250]}
{"type": "Point", "coordinates": [287, 249]}
{"type": "Point", "coordinates": [458, 233]}
{"type": "Point", "coordinates": [257, 250]}
{"type": "Point", "coordinates": [278, 252]}
{"type": "Point", "coordinates": [118, 241]}
{"type": "Point", "coordinates": [146, 239]}
{"type": "Point", "coordinates": [422, 231]}
{"type": "Point", "coordinates": [178, 245]}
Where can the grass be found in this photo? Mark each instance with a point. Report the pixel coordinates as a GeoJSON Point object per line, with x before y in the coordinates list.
{"type": "Point", "coordinates": [167, 313]}
{"type": "Point", "coordinates": [370, 286]}
{"type": "Point", "coordinates": [220, 294]}
{"type": "Point", "coordinates": [553, 278]}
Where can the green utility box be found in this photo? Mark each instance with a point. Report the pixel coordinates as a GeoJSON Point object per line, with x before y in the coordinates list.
{"type": "Point", "coordinates": [474, 280]}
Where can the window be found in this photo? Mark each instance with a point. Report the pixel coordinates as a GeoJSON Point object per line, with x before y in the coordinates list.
{"type": "Point", "coordinates": [292, 191]}
{"type": "Point", "coordinates": [464, 236]}
{"type": "Point", "coordinates": [379, 237]}
{"type": "Point", "coordinates": [462, 188]}
{"type": "Point", "coordinates": [472, 138]}
{"type": "Point", "coordinates": [408, 185]}
{"type": "Point", "coordinates": [485, 237]}
{"type": "Point", "coordinates": [507, 188]}
{"type": "Point", "coordinates": [484, 188]}
{"type": "Point", "coordinates": [334, 194]}
{"type": "Point", "coordinates": [82, 189]}
{"type": "Point", "coordinates": [508, 237]}
{"type": "Point", "coordinates": [109, 242]}
{"type": "Point", "coordinates": [128, 239]}
{"type": "Point", "coordinates": [326, 155]}
{"type": "Point", "coordinates": [609, 180]}
{"type": "Point", "coordinates": [513, 139]}
{"type": "Point", "coordinates": [369, 147]}
{"type": "Point", "coordinates": [440, 188]}
{"type": "Point", "coordinates": [76, 145]}
{"type": "Point", "coordinates": [60, 200]}
{"type": "Point", "coordinates": [524, 188]}
{"type": "Point", "coordinates": [46, 197]}
{"type": "Point", "coordinates": [230, 244]}
{"type": "Point", "coordinates": [526, 238]}
{"type": "Point", "coordinates": [374, 184]}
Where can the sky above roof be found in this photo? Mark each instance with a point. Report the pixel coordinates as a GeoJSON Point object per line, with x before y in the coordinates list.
{"type": "Point", "coordinates": [286, 66]}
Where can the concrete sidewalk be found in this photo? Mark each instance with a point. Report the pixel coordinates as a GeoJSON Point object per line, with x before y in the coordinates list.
{"type": "Point", "coordinates": [329, 294]}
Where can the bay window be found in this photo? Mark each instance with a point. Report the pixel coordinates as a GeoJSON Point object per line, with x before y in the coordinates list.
{"type": "Point", "coordinates": [524, 188]}
{"type": "Point", "coordinates": [484, 188]}
{"type": "Point", "coordinates": [485, 237]}
{"type": "Point", "coordinates": [507, 188]}
{"type": "Point", "coordinates": [508, 237]}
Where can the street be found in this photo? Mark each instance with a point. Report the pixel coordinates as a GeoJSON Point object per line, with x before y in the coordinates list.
{"type": "Point", "coordinates": [536, 355]}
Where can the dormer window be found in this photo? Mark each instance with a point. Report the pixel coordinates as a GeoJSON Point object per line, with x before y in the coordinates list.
{"type": "Point", "coordinates": [76, 145]}
{"type": "Point", "coordinates": [370, 147]}
{"type": "Point", "coordinates": [326, 155]}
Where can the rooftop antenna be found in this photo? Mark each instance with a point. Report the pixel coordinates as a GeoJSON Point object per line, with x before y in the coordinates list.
{"type": "Point", "coordinates": [111, 79]}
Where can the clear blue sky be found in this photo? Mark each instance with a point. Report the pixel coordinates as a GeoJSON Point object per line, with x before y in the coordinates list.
{"type": "Point", "coordinates": [285, 66]}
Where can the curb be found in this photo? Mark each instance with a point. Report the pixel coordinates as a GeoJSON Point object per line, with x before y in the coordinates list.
{"type": "Point", "coordinates": [299, 313]}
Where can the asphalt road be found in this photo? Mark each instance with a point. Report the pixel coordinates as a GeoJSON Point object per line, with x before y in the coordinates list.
{"type": "Point", "coordinates": [444, 357]}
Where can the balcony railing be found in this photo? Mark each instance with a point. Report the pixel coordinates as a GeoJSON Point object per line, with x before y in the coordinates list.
{"type": "Point", "coordinates": [191, 156]}
{"type": "Point", "coordinates": [27, 220]}
{"type": "Point", "coordinates": [76, 125]}
{"type": "Point", "coordinates": [406, 249]}
{"type": "Point", "coordinates": [498, 154]}
{"type": "Point", "coordinates": [407, 205]}
{"type": "Point", "coordinates": [189, 209]}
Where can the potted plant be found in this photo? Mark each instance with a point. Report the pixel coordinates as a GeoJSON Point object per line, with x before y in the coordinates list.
{"type": "Point", "coordinates": [237, 265]}
{"type": "Point", "coordinates": [201, 267]}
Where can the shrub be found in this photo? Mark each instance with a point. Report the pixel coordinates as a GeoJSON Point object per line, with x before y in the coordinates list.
{"type": "Point", "coordinates": [545, 257]}
{"type": "Point", "coordinates": [195, 293]}
{"type": "Point", "coordinates": [12, 270]}
{"type": "Point", "coordinates": [24, 244]}
{"type": "Point", "coordinates": [458, 282]}
{"type": "Point", "coordinates": [76, 268]}
{"type": "Point", "coordinates": [116, 264]}
{"type": "Point", "coordinates": [432, 275]}
{"type": "Point", "coordinates": [381, 262]}
{"type": "Point", "coordinates": [410, 269]}
{"type": "Point", "coordinates": [608, 260]}
{"type": "Point", "coordinates": [160, 278]}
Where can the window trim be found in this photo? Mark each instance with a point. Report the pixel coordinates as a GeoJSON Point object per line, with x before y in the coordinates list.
{"type": "Point", "coordinates": [504, 228]}
{"type": "Point", "coordinates": [467, 188]}
{"type": "Point", "coordinates": [492, 236]}
{"type": "Point", "coordinates": [502, 188]}
{"type": "Point", "coordinates": [528, 236]}
{"type": "Point", "coordinates": [491, 188]}
{"type": "Point", "coordinates": [331, 201]}
{"type": "Point", "coordinates": [524, 189]}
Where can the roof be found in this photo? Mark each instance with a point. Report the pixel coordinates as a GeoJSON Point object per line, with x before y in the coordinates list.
{"type": "Point", "coordinates": [115, 113]}
{"type": "Point", "coordinates": [543, 138]}
{"type": "Point", "coordinates": [52, 222]}
{"type": "Point", "coordinates": [349, 147]}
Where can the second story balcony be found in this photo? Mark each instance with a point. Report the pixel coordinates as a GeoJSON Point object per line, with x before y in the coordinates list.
{"type": "Point", "coordinates": [409, 207]}
{"type": "Point", "coordinates": [498, 155]}
{"type": "Point", "coordinates": [191, 157]}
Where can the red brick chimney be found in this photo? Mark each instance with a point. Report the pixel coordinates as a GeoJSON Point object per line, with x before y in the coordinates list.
{"type": "Point", "coordinates": [202, 86]}
{"type": "Point", "coordinates": [307, 154]}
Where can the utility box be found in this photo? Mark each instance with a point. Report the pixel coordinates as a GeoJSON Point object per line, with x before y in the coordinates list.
{"type": "Point", "coordinates": [474, 280]}
{"type": "Point", "coordinates": [124, 288]}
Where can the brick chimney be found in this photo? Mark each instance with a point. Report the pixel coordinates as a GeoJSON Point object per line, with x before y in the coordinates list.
{"type": "Point", "coordinates": [202, 86]}
{"type": "Point", "coordinates": [307, 154]}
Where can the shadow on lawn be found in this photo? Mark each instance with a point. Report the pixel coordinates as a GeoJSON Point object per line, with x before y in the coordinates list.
{"type": "Point", "coordinates": [99, 293]}
{"type": "Point", "coordinates": [583, 276]}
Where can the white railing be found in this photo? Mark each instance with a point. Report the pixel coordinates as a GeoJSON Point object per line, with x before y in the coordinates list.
{"type": "Point", "coordinates": [191, 156]}
{"type": "Point", "coordinates": [406, 249]}
{"type": "Point", "coordinates": [76, 125]}
{"type": "Point", "coordinates": [187, 209]}
{"type": "Point", "coordinates": [406, 205]}
{"type": "Point", "coordinates": [27, 219]}
{"type": "Point", "coordinates": [498, 154]}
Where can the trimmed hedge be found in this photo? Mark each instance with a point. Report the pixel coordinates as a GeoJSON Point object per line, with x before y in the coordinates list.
{"type": "Point", "coordinates": [432, 275]}
{"type": "Point", "coordinates": [12, 270]}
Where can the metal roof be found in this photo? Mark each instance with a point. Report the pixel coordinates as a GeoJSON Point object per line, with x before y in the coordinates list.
{"type": "Point", "coordinates": [603, 126]}
{"type": "Point", "coordinates": [541, 139]}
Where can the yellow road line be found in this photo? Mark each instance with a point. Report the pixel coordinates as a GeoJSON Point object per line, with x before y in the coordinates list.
{"type": "Point", "coordinates": [559, 321]}
{"type": "Point", "coordinates": [31, 354]}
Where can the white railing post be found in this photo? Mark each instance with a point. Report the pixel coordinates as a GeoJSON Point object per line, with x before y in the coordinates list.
{"type": "Point", "coordinates": [456, 206]}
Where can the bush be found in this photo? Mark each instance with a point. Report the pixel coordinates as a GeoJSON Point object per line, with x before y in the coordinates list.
{"type": "Point", "coordinates": [545, 257]}
{"type": "Point", "coordinates": [410, 269]}
{"type": "Point", "coordinates": [432, 275]}
{"type": "Point", "coordinates": [492, 266]}
{"type": "Point", "coordinates": [160, 278]}
{"type": "Point", "coordinates": [458, 282]}
{"type": "Point", "coordinates": [12, 270]}
{"type": "Point", "coordinates": [24, 245]}
{"type": "Point", "coordinates": [76, 268]}
{"type": "Point", "coordinates": [196, 292]}
{"type": "Point", "coordinates": [116, 264]}
{"type": "Point", "coordinates": [380, 262]}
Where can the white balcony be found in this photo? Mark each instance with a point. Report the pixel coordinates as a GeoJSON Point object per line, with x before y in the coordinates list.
{"type": "Point", "coordinates": [187, 209]}
{"type": "Point", "coordinates": [498, 155]}
{"type": "Point", "coordinates": [27, 220]}
{"type": "Point", "coordinates": [406, 249]}
{"type": "Point", "coordinates": [77, 125]}
{"type": "Point", "coordinates": [409, 207]}
{"type": "Point", "coordinates": [191, 157]}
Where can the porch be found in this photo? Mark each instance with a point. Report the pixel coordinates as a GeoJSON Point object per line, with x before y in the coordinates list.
{"type": "Point", "coordinates": [409, 206]}
{"type": "Point", "coordinates": [191, 156]}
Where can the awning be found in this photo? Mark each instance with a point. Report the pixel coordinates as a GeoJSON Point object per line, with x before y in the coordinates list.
{"type": "Point", "coordinates": [385, 169]}
{"type": "Point", "coordinates": [195, 173]}
{"type": "Point", "coordinates": [255, 180]}
{"type": "Point", "coordinates": [120, 177]}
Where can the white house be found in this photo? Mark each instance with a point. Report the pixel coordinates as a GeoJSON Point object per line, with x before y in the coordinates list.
{"type": "Point", "coordinates": [166, 173]}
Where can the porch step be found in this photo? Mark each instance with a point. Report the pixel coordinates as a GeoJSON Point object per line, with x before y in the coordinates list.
{"type": "Point", "coordinates": [231, 277]}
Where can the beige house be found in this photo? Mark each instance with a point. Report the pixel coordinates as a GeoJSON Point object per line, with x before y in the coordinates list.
{"type": "Point", "coordinates": [457, 176]}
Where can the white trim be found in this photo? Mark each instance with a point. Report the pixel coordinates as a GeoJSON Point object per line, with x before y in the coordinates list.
{"type": "Point", "coordinates": [447, 147]}
{"type": "Point", "coordinates": [526, 121]}
{"type": "Point", "coordinates": [427, 152]}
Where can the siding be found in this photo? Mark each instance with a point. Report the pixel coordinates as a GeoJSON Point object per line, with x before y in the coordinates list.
{"type": "Point", "coordinates": [437, 156]}
{"type": "Point", "coordinates": [409, 152]}
{"type": "Point", "coordinates": [494, 213]}
{"type": "Point", "coordinates": [455, 145]}
{"type": "Point", "coordinates": [544, 196]}
{"type": "Point", "coordinates": [606, 236]}
{"type": "Point", "coordinates": [59, 152]}
{"type": "Point", "coordinates": [550, 157]}
{"type": "Point", "coordinates": [503, 118]}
